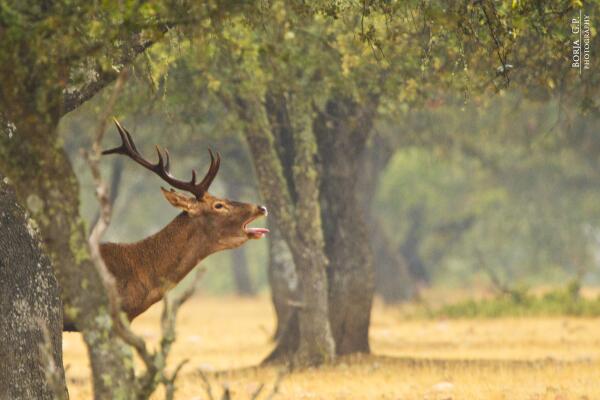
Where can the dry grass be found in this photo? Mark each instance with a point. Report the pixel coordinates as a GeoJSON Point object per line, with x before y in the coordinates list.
{"type": "Point", "coordinates": [555, 359]}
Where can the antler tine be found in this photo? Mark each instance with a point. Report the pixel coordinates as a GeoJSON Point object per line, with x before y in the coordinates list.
{"type": "Point", "coordinates": [130, 140]}
{"type": "Point", "coordinates": [212, 170]}
{"type": "Point", "coordinates": [161, 168]}
{"type": "Point", "coordinates": [160, 163]}
{"type": "Point", "coordinates": [168, 160]}
{"type": "Point", "coordinates": [122, 149]}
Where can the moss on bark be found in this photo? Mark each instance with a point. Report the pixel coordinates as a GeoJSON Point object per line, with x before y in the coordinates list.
{"type": "Point", "coordinates": [30, 303]}
{"type": "Point", "coordinates": [44, 180]}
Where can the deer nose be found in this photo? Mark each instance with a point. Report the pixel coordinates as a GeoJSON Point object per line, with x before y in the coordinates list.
{"type": "Point", "coordinates": [263, 210]}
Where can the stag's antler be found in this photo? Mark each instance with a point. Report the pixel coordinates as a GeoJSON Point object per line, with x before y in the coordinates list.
{"type": "Point", "coordinates": [161, 168]}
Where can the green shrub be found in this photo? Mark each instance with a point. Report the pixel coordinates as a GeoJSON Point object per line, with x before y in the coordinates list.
{"type": "Point", "coordinates": [565, 301]}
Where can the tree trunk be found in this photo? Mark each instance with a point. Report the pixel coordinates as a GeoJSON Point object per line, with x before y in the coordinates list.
{"type": "Point", "coordinates": [44, 180]}
{"type": "Point", "coordinates": [29, 303]}
{"type": "Point", "coordinates": [299, 222]}
{"type": "Point", "coordinates": [342, 131]}
{"type": "Point", "coordinates": [283, 282]}
{"type": "Point", "coordinates": [282, 271]}
{"type": "Point", "coordinates": [241, 275]}
{"type": "Point", "coordinates": [410, 248]}
{"type": "Point", "coordinates": [392, 278]}
{"type": "Point", "coordinates": [239, 260]}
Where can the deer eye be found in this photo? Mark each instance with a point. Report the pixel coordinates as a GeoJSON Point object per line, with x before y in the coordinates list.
{"type": "Point", "coordinates": [219, 206]}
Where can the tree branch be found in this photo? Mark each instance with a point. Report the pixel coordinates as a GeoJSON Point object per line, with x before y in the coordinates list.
{"type": "Point", "coordinates": [155, 363]}
{"type": "Point", "coordinates": [73, 98]}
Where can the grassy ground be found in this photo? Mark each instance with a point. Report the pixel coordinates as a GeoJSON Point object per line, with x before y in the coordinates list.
{"type": "Point", "coordinates": [504, 358]}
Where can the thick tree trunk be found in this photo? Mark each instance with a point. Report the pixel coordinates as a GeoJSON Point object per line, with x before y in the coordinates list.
{"type": "Point", "coordinates": [44, 180]}
{"type": "Point", "coordinates": [342, 131]}
{"type": "Point", "coordinates": [282, 271]}
{"type": "Point", "coordinates": [29, 303]}
{"type": "Point", "coordinates": [300, 224]}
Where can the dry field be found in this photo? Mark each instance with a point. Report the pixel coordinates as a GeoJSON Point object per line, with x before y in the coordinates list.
{"type": "Point", "coordinates": [555, 359]}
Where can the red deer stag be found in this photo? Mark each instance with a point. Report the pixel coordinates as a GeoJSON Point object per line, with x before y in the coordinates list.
{"type": "Point", "coordinates": [145, 270]}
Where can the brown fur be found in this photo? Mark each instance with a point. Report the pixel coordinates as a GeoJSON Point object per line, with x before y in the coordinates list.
{"type": "Point", "coordinates": [145, 270]}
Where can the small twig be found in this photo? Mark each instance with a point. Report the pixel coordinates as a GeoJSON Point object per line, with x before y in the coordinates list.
{"type": "Point", "coordinates": [155, 363]}
{"type": "Point", "coordinates": [498, 46]}
{"type": "Point", "coordinates": [207, 385]}
{"type": "Point", "coordinates": [280, 375]}
{"type": "Point", "coordinates": [121, 326]}
{"type": "Point", "coordinates": [170, 382]}
{"type": "Point", "coordinates": [155, 371]}
{"type": "Point", "coordinates": [257, 392]}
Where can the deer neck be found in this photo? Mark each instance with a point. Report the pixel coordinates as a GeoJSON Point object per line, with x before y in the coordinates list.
{"type": "Point", "coordinates": [177, 249]}
{"type": "Point", "coordinates": [153, 265]}
{"type": "Point", "coordinates": [146, 270]}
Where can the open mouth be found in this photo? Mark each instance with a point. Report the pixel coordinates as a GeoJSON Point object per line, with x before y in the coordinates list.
{"type": "Point", "coordinates": [254, 233]}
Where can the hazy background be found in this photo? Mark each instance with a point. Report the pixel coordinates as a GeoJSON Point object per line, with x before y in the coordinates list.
{"type": "Point", "coordinates": [468, 197]}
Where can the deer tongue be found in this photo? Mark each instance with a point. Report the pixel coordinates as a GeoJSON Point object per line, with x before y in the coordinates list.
{"type": "Point", "coordinates": [256, 233]}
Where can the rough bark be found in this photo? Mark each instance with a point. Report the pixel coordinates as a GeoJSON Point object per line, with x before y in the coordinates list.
{"type": "Point", "coordinates": [282, 271]}
{"type": "Point", "coordinates": [102, 77]}
{"type": "Point", "coordinates": [342, 131]}
{"type": "Point", "coordinates": [316, 344]}
{"type": "Point", "coordinates": [44, 180]}
{"type": "Point", "coordinates": [300, 224]}
{"type": "Point", "coordinates": [30, 302]}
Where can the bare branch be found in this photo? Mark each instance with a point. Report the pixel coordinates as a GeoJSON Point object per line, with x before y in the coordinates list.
{"type": "Point", "coordinates": [280, 375]}
{"type": "Point", "coordinates": [155, 370]}
{"type": "Point", "coordinates": [257, 392]}
{"type": "Point", "coordinates": [207, 385]}
{"type": "Point", "coordinates": [121, 325]}
{"type": "Point", "coordinates": [93, 157]}
{"type": "Point", "coordinates": [155, 362]}
{"type": "Point", "coordinates": [170, 382]}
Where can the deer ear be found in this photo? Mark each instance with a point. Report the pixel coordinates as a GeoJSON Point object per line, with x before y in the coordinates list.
{"type": "Point", "coordinates": [178, 200]}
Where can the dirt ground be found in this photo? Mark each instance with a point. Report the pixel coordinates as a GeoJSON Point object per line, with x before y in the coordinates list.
{"type": "Point", "coordinates": [226, 338]}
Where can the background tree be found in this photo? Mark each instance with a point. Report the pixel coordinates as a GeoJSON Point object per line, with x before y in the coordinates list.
{"type": "Point", "coordinates": [366, 68]}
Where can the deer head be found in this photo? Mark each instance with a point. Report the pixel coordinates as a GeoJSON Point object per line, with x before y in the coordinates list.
{"type": "Point", "coordinates": [224, 222]}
